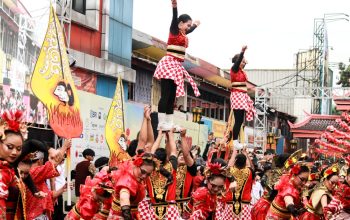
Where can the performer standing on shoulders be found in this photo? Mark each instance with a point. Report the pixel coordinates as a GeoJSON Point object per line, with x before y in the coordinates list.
{"type": "Point", "coordinates": [170, 70]}
{"type": "Point", "coordinates": [241, 104]}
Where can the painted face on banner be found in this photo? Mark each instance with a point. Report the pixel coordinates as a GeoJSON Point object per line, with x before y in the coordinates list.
{"type": "Point", "coordinates": [122, 143]}
{"type": "Point", "coordinates": [61, 93]}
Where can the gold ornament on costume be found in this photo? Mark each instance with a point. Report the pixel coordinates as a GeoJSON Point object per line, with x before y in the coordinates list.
{"type": "Point", "coordinates": [180, 180]}
{"type": "Point", "coordinates": [159, 183]}
{"type": "Point", "coordinates": [241, 176]}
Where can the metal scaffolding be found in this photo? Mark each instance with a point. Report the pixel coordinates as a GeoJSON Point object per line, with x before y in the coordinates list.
{"type": "Point", "coordinates": [64, 13]}
{"type": "Point", "coordinates": [263, 95]}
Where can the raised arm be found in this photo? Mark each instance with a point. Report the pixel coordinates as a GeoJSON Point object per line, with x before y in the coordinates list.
{"type": "Point", "coordinates": [150, 136]}
{"type": "Point", "coordinates": [236, 65]}
{"type": "Point", "coordinates": [249, 162]}
{"type": "Point", "coordinates": [171, 144]}
{"type": "Point", "coordinates": [156, 144]}
{"type": "Point", "coordinates": [143, 132]}
{"type": "Point", "coordinates": [231, 162]}
{"type": "Point", "coordinates": [186, 149]}
{"type": "Point", "coordinates": [174, 29]}
{"type": "Point", "coordinates": [194, 26]}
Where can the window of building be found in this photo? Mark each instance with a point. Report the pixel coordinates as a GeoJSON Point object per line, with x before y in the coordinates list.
{"type": "Point", "coordinates": [79, 6]}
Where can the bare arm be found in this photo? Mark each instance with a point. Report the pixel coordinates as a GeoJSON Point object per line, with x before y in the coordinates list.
{"type": "Point", "coordinates": [150, 136]}
{"type": "Point", "coordinates": [231, 162]}
{"type": "Point", "coordinates": [156, 144]}
{"type": "Point", "coordinates": [143, 132]}
{"type": "Point", "coordinates": [249, 162]}
{"type": "Point", "coordinates": [186, 149]}
{"type": "Point", "coordinates": [171, 144]}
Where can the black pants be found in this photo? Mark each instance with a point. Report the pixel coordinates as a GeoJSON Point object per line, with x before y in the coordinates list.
{"type": "Point", "coordinates": [239, 118]}
{"type": "Point", "coordinates": [167, 96]}
{"type": "Point", "coordinates": [58, 213]}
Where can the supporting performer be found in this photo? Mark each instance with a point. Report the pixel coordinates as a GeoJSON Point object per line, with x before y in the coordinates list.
{"type": "Point", "coordinates": [241, 104]}
{"type": "Point", "coordinates": [170, 71]}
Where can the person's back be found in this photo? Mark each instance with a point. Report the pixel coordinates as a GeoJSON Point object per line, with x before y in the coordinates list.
{"type": "Point", "coordinates": [83, 169]}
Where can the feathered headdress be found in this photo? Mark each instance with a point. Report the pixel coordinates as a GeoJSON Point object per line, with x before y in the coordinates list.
{"type": "Point", "coordinates": [139, 158]}
{"type": "Point", "coordinates": [293, 159]}
{"type": "Point", "coordinates": [11, 120]}
{"type": "Point", "coordinates": [215, 169]}
{"type": "Point", "coordinates": [330, 170]}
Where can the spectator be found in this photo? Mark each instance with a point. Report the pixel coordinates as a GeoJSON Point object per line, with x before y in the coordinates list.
{"type": "Point", "coordinates": [133, 146]}
{"type": "Point", "coordinates": [257, 190]}
{"type": "Point", "coordinates": [209, 142]}
{"type": "Point", "coordinates": [83, 169]}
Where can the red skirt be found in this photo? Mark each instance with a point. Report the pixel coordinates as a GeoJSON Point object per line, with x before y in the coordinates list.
{"type": "Point", "coordinates": [260, 209]}
{"type": "Point", "coordinates": [309, 216]}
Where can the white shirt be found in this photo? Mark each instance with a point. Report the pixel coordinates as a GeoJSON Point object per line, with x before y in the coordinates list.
{"type": "Point", "coordinates": [257, 192]}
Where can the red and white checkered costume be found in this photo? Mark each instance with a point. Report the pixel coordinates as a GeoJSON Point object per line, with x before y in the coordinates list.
{"type": "Point", "coordinates": [170, 67]}
{"type": "Point", "coordinates": [241, 100]}
{"type": "Point", "coordinates": [228, 213]}
{"type": "Point", "coordinates": [147, 212]}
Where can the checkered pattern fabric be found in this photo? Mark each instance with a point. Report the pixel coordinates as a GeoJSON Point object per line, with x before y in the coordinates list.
{"type": "Point", "coordinates": [145, 210]}
{"type": "Point", "coordinates": [173, 213]}
{"type": "Point", "coordinates": [241, 100]}
{"type": "Point", "coordinates": [171, 68]}
{"type": "Point", "coordinates": [198, 215]}
{"type": "Point", "coordinates": [228, 213]}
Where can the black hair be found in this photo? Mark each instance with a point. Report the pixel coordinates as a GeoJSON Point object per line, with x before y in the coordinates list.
{"type": "Point", "coordinates": [88, 152]}
{"type": "Point", "coordinates": [184, 18]}
{"type": "Point", "coordinates": [101, 162]}
{"type": "Point", "coordinates": [69, 90]}
{"type": "Point", "coordinates": [9, 132]}
{"type": "Point", "coordinates": [348, 171]}
{"type": "Point", "coordinates": [161, 155]}
{"type": "Point", "coordinates": [235, 58]}
{"type": "Point", "coordinates": [281, 159]}
{"type": "Point", "coordinates": [240, 161]}
{"type": "Point", "coordinates": [31, 146]}
{"type": "Point", "coordinates": [304, 169]}
{"type": "Point", "coordinates": [148, 161]}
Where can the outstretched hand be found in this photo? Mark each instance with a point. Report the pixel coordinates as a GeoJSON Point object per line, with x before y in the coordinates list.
{"type": "Point", "coordinates": [174, 3]}
{"type": "Point", "coordinates": [197, 23]}
{"type": "Point", "coordinates": [244, 48]}
{"type": "Point", "coordinates": [147, 112]}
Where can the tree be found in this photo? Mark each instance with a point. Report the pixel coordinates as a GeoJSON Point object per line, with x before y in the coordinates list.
{"type": "Point", "coordinates": [344, 80]}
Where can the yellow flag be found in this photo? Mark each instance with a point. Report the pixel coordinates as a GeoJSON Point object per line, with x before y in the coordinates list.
{"type": "Point", "coordinates": [114, 131]}
{"type": "Point", "coordinates": [52, 83]}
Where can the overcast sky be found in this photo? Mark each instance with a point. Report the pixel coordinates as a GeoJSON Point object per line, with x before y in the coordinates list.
{"type": "Point", "coordinates": [274, 30]}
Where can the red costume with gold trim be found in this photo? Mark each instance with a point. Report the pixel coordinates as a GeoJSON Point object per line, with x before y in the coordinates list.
{"type": "Point", "coordinates": [7, 179]}
{"type": "Point", "coordinates": [184, 186]}
{"type": "Point", "coordinates": [162, 195]}
{"type": "Point", "coordinates": [314, 208]}
{"type": "Point", "coordinates": [88, 206]}
{"type": "Point", "coordinates": [238, 202]}
{"type": "Point", "coordinates": [260, 209]}
{"type": "Point", "coordinates": [37, 206]}
{"type": "Point", "coordinates": [278, 209]}
{"type": "Point", "coordinates": [123, 178]}
{"type": "Point", "coordinates": [203, 204]}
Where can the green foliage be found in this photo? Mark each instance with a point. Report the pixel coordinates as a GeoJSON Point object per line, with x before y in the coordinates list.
{"type": "Point", "coordinates": [344, 80]}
